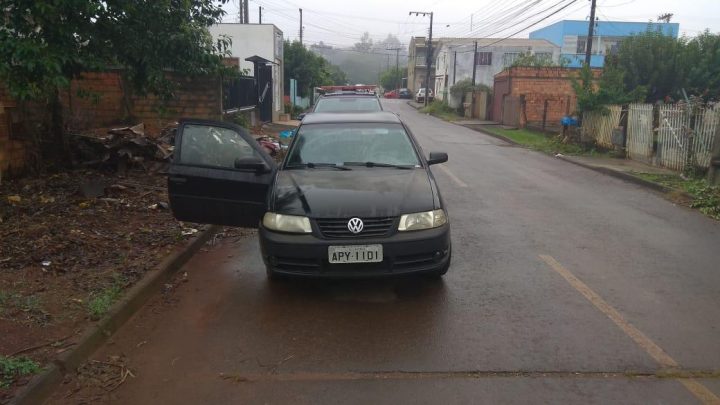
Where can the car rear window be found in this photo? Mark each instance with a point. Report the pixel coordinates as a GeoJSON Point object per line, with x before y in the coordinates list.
{"type": "Point", "coordinates": [353, 142]}
{"type": "Point", "coordinates": [348, 104]}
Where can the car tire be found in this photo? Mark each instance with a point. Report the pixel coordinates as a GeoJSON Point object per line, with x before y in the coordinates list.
{"type": "Point", "coordinates": [272, 275]}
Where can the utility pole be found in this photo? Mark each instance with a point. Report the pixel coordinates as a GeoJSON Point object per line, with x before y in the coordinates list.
{"type": "Point", "coordinates": [301, 26]}
{"type": "Point", "coordinates": [259, 14]}
{"type": "Point", "coordinates": [428, 64]}
{"type": "Point", "coordinates": [454, 66]}
{"type": "Point", "coordinates": [475, 62]}
{"type": "Point", "coordinates": [591, 27]}
{"type": "Point", "coordinates": [397, 66]}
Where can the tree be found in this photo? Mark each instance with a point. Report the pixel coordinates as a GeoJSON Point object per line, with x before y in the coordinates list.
{"type": "Point", "coordinates": [365, 44]}
{"type": "Point", "coordinates": [392, 78]}
{"type": "Point", "coordinates": [533, 60]}
{"type": "Point", "coordinates": [309, 69]}
{"type": "Point", "coordinates": [702, 56]}
{"type": "Point", "coordinates": [390, 42]}
{"type": "Point", "coordinates": [47, 44]}
{"type": "Point", "coordinates": [609, 89]}
{"type": "Point", "coordinates": [653, 61]}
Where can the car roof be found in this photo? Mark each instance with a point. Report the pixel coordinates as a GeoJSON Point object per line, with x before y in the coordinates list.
{"type": "Point", "coordinates": [384, 117]}
{"type": "Point", "coordinates": [349, 94]}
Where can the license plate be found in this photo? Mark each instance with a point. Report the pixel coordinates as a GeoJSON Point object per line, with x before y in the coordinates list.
{"type": "Point", "coordinates": [355, 254]}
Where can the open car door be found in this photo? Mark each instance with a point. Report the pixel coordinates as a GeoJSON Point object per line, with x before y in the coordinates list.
{"type": "Point", "coordinates": [219, 175]}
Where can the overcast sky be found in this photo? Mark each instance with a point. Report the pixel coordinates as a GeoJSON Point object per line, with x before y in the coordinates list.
{"type": "Point", "coordinates": [342, 22]}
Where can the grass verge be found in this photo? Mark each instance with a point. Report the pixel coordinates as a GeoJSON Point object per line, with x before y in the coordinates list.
{"type": "Point", "coordinates": [13, 367]}
{"type": "Point", "coordinates": [100, 302]}
{"type": "Point", "coordinates": [441, 110]}
{"type": "Point", "coordinates": [706, 198]}
{"type": "Point", "coordinates": [543, 143]}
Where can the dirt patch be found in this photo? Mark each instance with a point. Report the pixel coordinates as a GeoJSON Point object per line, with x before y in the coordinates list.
{"type": "Point", "coordinates": [71, 244]}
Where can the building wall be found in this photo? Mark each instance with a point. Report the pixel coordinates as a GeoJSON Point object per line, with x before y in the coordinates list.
{"type": "Point", "coordinates": [532, 87]}
{"type": "Point", "coordinates": [417, 52]}
{"type": "Point", "coordinates": [103, 106]}
{"type": "Point", "coordinates": [264, 40]}
{"type": "Point", "coordinates": [485, 74]}
{"type": "Point", "coordinates": [607, 34]}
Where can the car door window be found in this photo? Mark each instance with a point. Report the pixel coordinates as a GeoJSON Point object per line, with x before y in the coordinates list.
{"type": "Point", "coordinates": [207, 145]}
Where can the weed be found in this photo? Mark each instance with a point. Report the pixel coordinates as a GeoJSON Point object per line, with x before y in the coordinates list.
{"type": "Point", "coordinates": [706, 198]}
{"type": "Point", "coordinates": [440, 109]}
{"type": "Point", "coordinates": [14, 367]}
{"type": "Point", "coordinates": [99, 303]}
{"type": "Point", "coordinates": [541, 142]}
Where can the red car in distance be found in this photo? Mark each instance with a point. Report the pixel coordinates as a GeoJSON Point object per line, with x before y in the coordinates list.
{"type": "Point", "coordinates": [391, 94]}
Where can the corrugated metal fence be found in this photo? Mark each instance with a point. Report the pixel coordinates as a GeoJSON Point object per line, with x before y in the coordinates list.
{"type": "Point", "coordinates": [640, 132]}
{"type": "Point", "coordinates": [599, 125]}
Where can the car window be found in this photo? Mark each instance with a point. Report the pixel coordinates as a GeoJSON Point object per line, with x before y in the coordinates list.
{"type": "Point", "coordinates": [348, 104]}
{"type": "Point", "coordinates": [355, 142]}
{"type": "Point", "coordinates": [207, 145]}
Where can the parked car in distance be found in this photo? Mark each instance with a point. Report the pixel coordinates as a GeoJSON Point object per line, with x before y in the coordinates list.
{"type": "Point", "coordinates": [420, 96]}
{"type": "Point", "coordinates": [353, 198]}
{"type": "Point", "coordinates": [405, 93]}
{"type": "Point", "coordinates": [391, 94]}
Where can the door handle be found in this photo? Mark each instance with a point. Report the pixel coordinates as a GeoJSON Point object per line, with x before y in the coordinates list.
{"type": "Point", "coordinates": [178, 180]}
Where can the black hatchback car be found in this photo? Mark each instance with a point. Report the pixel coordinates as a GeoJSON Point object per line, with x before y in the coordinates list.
{"type": "Point", "coordinates": [354, 196]}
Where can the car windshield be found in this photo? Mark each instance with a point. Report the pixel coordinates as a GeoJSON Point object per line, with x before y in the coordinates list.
{"type": "Point", "coordinates": [352, 143]}
{"type": "Point", "coordinates": [348, 104]}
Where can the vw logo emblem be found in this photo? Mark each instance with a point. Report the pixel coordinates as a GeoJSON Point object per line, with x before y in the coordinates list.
{"type": "Point", "coordinates": [355, 225]}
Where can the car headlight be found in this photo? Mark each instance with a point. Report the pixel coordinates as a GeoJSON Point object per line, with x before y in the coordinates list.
{"type": "Point", "coordinates": [422, 220]}
{"type": "Point", "coordinates": [286, 223]}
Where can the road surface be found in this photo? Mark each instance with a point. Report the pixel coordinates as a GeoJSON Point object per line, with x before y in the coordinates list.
{"type": "Point", "coordinates": [567, 286]}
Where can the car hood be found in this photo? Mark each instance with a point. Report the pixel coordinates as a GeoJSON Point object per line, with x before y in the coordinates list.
{"type": "Point", "coordinates": [362, 192]}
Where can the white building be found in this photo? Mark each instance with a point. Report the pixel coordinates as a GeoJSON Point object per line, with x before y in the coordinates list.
{"type": "Point", "coordinates": [454, 60]}
{"type": "Point", "coordinates": [265, 41]}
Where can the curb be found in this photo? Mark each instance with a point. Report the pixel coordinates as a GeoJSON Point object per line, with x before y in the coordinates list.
{"type": "Point", "coordinates": [43, 385]}
{"type": "Point", "coordinates": [500, 137]}
{"type": "Point", "coordinates": [628, 178]}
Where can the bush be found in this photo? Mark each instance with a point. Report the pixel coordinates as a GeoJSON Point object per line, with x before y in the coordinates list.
{"type": "Point", "coordinates": [459, 89]}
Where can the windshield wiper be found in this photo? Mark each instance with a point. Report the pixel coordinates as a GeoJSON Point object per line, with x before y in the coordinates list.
{"type": "Point", "coordinates": [378, 164]}
{"type": "Point", "coordinates": [311, 165]}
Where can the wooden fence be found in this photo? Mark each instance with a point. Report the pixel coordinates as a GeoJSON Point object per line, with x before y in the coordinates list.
{"type": "Point", "coordinates": [684, 137]}
{"type": "Point", "coordinates": [599, 125]}
{"type": "Point", "coordinates": [640, 132]}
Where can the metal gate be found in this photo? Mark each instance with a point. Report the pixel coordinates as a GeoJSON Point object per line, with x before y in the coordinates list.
{"type": "Point", "coordinates": [640, 132]}
{"type": "Point", "coordinates": [706, 122]}
{"type": "Point", "coordinates": [599, 126]}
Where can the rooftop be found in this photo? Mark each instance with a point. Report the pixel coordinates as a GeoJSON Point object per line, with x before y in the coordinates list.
{"type": "Point", "coordinates": [342, 118]}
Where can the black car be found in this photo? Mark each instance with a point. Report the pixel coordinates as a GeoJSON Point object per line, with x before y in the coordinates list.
{"type": "Point", "coordinates": [354, 196]}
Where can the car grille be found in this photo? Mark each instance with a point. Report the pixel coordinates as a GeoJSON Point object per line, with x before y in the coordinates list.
{"type": "Point", "coordinates": [372, 227]}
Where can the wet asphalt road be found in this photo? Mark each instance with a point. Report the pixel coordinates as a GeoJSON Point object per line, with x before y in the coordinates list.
{"type": "Point", "coordinates": [567, 286]}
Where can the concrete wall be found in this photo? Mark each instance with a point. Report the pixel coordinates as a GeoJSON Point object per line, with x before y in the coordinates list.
{"type": "Point", "coordinates": [264, 40]}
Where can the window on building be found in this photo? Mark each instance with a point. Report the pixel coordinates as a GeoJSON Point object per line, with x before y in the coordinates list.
{"type": "Point", "coordinates": [509, 58]}
{"type": "Point", "coordinates": [483, 58]}
{"type": "Point", "coordinates": [581, 44]}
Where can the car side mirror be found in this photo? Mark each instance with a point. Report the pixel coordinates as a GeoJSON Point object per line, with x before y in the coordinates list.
{"type": "Point", "coordinates": [437, 157]}
{"type": "Point", "coordinates": [252, 164]}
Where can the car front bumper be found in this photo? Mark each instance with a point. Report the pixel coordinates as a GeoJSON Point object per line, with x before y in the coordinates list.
{"type": "Point", "coordinates": [403, 253]}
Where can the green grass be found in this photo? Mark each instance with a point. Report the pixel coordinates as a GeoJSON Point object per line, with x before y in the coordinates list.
{"type": "Point", "coordinates": [542, 142]}
{"type": "Point", "coordinates": [441, 110]}
{"type": "Point", "coordinates": [14, 367]}
{"type": "Point", "coordinates": [100, 302]}
{"type": "Point", "coordinates": [706, 198]}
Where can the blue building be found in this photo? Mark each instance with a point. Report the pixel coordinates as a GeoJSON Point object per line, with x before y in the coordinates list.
{"type": "Point", "coordinates": [571, 37]}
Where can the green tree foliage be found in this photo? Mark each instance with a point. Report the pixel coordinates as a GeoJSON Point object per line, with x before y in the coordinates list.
{"type": "Point", "coordinates": [653, 61]}
{"type": "Point", "coordinates": [309, 69]}
{"type": "Point", "coordinates": [365, 44]}
{"type": "Point", "coordinates": [596, 95]}
{"type": "Point", "coordinates": [45, 44]}
{"type": "Point", "coordinates": [392, 78]}
{"type": "Point", "coordinates": [533, 60]}
{"type": "Point", "coordinates": [703, 69]}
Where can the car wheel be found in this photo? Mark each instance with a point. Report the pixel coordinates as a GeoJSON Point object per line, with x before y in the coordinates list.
{"type": "Point", "coordinates": [271, 275]}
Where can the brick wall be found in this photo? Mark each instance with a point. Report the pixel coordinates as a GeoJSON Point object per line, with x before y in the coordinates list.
{"type": "Point", "coordinates": [95, 100]}
{"type": "Point", "coordinates": [535, 87]}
